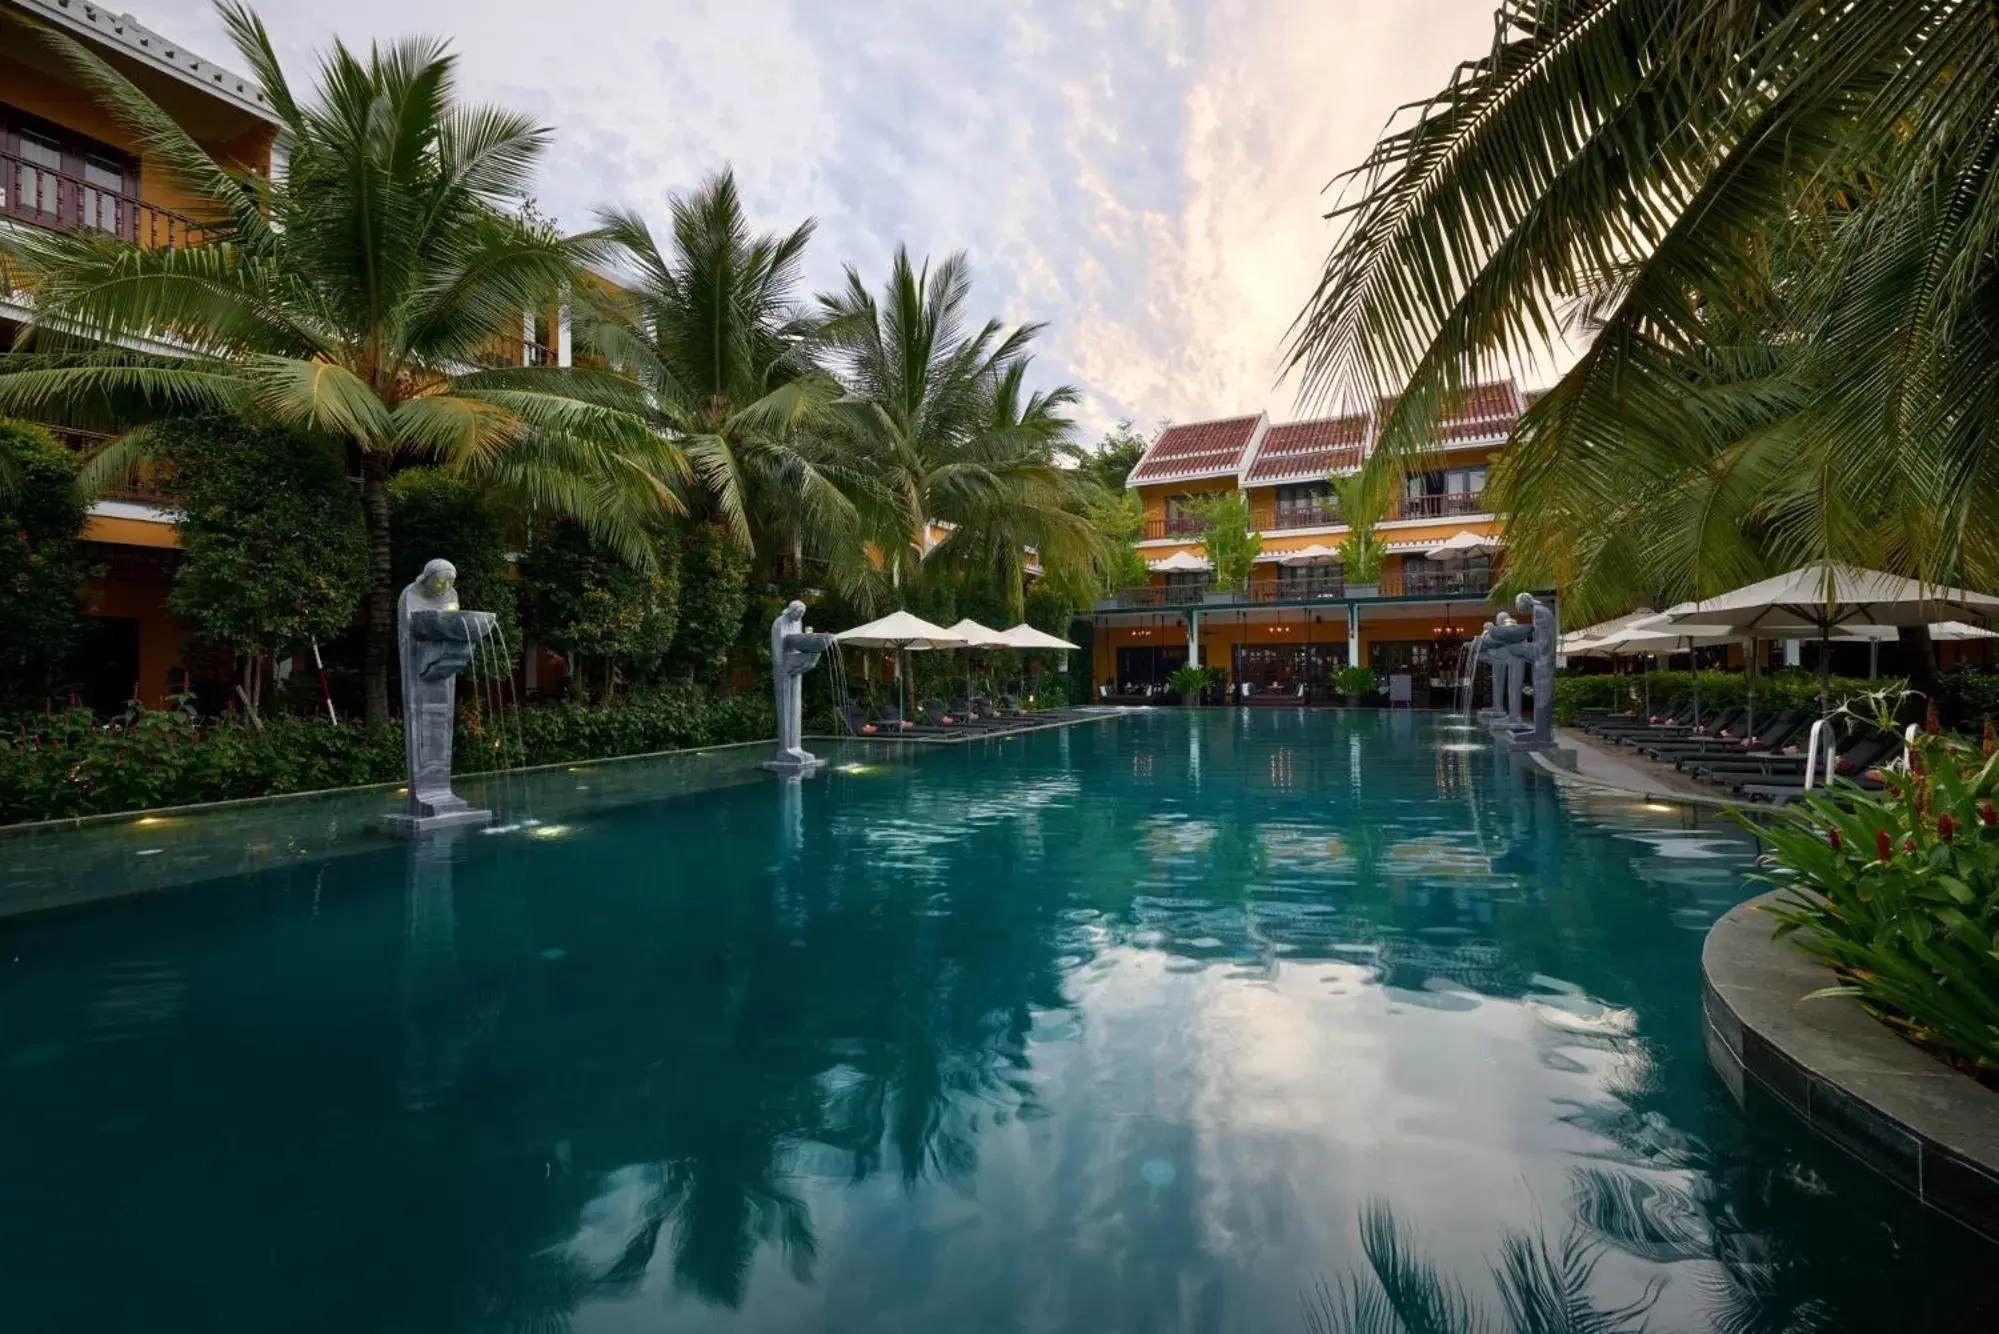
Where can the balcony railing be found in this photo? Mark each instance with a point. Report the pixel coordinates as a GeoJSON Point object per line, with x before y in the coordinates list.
{"type": "Point", "coordinates": [1285, 518]}
{"type": "Point", "coordinates": [85, 443]}
{"type": "Point", "coordinates": [1174, 525]}
{"type": "Point", "coordinates": [1447, 505]}
{"type": "Point", "coordinates": [43, 197]}
{"type": "Point", "coordinates": [1322, 588]}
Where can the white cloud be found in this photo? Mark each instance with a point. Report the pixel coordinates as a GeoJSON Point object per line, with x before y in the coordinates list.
{"type": "Point", "coordinates": [1143, 176]}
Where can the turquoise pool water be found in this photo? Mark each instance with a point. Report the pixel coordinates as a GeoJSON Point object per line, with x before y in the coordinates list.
{"type": "Point", "coordinates": [1172, 1023]}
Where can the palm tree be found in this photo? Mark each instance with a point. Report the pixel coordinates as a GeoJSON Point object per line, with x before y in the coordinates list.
{"type": "Point", "coordinates": [943, 422]}
{"type": "Point", "coordinates": [359, 295]}
{"type": "Point", "coordinates": [726, 360]}
{"type": "Point", "coordinates": [1769, 225]}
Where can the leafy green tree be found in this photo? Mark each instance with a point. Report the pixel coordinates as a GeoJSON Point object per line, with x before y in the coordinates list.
{"type": "Point", "coordinates": [1108, 464]}
{"type": "Point", "coordinates": [715, 571]}
{"type": "Point", "coordinates": [363, 295]}
{"type": "Point", "coordinates": [1362, 501]}
{"type": "Point", "coordinates": [597, 609]}
{"type": "Point", "coordinates": [41, 567]}
{"type": "Point", "coordinates": [436, 516]}
{"type": "Point", "coordinates": [1770, 230]}
{"type": "Point", "coordinates": [1227, 538]}
{"type": "Point", "coordinates": [711, 327]}
{"type": "Point", "coordinates": [942, 422]}
{"type": "Point", "coordinates": [276, 557]}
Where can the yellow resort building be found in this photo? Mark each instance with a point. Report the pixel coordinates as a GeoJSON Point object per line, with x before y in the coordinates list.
{"type": "Point", "coordinates": [1299, 619]}
{"type": "Point", "coordinates": [66, 163]}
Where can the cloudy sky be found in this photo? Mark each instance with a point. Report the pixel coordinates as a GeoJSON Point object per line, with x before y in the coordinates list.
{"type": "Point", "coordinates": [1145, 176]}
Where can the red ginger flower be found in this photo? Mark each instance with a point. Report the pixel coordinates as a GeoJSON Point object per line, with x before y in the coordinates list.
{"type": "Point", "coordinates": [1833, 834]}
{"type": "Point", "coordinates": [1988, 815]}
{"type": "Point", "coordinates": [1946, 826]}
{"type": "Point", "coordinates": [1908, 845]}
{"type": "Point", "coordinates": [1884, 847]}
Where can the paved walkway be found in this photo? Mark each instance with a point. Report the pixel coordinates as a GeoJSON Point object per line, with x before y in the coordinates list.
{"type": "Point", "coordinates": [1624, 768]}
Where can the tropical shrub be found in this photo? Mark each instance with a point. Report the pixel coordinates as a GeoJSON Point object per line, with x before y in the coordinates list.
{"type": "Point", "coordinates": [1355, 681]}
{"type": "Point", "coordinates": [276, 557]}
{"type": "Point", "coordinates": [605, 616]}
{"type": "Point", "coordinates": [714, 593]}
{"type": "Point", "coordinates": [1898, 891]}
{"type": "Point", "coordinates": [1775, 691]}
{"type": "Point", "coordinates": [41, 569]}
{"type": "Point", "coordinates": [72, 764]}
{"type": "Point", "coordinates": [436, 516]}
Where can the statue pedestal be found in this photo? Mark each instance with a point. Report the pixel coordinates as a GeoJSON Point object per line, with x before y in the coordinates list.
{"type": "Point", "coordinates": [405, 825]}
{"type": "Point", "coordinates": [804, 768]}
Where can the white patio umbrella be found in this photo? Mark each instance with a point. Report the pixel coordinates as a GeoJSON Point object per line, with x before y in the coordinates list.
{"type": "Point", "coordinates": [1315, 554]}
{"type": "Point", "coordinates": [1874, 635]}
{"type": "Point", "coordinates": [1644, 634]}
{"type": "Point", "coordinates": [1580, 643]}
{"type": "Point", "coordinates": [1462, 544]}
{"type": "Point", "coordinates": [1180, 562]}
{"type": "Point", "coordinates": [1026, 636]}
{"type": "Point", "coordinates": [900, 632]}
{"type": "Point", "coordinates": [1823, 597]}
{"type": "Point", "coordinates": [977, 636]}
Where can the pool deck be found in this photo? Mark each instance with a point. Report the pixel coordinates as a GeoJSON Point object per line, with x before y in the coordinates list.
{"type": "Point", "coordinates": [1625, 770]}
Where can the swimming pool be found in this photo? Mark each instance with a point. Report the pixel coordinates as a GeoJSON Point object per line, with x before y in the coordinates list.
{"type": "Point", "coordinates": [1186, 1021]}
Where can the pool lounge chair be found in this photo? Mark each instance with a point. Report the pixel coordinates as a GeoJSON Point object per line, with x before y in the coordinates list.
{"type": "Point", "coordinates": [1726, 725]}
{"type": "Point", "coordinates": [1861, 752]}
{"type": "Point", "coordinates": [1783, 730]}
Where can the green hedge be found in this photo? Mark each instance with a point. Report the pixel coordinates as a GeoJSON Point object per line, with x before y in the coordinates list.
{"type": "Point", "coordinates": [59, 766]}
{"type": "Point", "coordinates": [1774, 691]}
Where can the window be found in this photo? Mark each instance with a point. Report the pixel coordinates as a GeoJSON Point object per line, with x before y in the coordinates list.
{"type": "Point", "coordinates": [57, 178]}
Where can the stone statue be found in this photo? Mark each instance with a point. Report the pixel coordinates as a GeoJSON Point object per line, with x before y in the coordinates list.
{"type": "Point", "coordinates": [436, 642]}
{"type": "Point", "coordinates": [1545, 644]}
{"type": "Point", "coordinates": [1508, 639]}
{"type": "Point", "coordinates": [793, 652]}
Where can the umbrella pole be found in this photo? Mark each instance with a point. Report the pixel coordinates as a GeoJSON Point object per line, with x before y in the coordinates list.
{"type": "Point", "coordinates": [1749, 674]}
{"type": "Point", "coordinates": [1825, 671]}
{"type": "Point", "coordinates": [1694, 661]}
{"type": "Point", "coordinates": [1873, 658]}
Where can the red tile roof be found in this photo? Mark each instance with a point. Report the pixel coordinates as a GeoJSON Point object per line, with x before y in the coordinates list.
{"type": "Point", "coordinates": [1198, 449]}
{"type": "Point", "coordinates": [1484, 410]}
{"type": "Point", "coordinates": [1310, 448]}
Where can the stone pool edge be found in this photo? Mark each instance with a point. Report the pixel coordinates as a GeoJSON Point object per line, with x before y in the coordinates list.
{"type": "Point", "coordinates": [1927, 1128]}
{"type": "Point", "coordinates": [390, 785]}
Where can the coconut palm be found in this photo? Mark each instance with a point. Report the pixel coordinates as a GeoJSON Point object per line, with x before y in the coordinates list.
{"type": "Point", "coordinates": [711, 329]}
{"type": "Point", "coordinates": [943, 421]}
{"type": "Point", "coordinates": [1769, 226]}
{"type": "Point", "coordinates": [359, 295]}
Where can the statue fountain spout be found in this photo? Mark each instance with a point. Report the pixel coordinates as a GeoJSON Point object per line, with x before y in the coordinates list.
{"type": "Point", "coordinates": [793, 652]}
{"type": "Point", "coordinates": [436, 642]}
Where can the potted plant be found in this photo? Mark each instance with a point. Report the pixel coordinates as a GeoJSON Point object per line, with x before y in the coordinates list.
{"type": "Point", "coordinates": [1362, 500]}
{"type": "Point", "coordinates": [1355, 683]}
{"type": "Point", "coordinates": [1187, 681]}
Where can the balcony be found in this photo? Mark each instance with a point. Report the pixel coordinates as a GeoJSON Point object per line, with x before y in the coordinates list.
{"type": "Point", "coordinates": [43, 197]}
{"type": "Point", "coordinates": [1447, 505]}
{"type": "Point", "coordinates": [1185, 526]}
{"type": "Point", "coordinates": [86, 443]}
{"type": "Point", "coordinates": [1293, 592]}
{"type": "Point", "coordinates": [1284, 518]}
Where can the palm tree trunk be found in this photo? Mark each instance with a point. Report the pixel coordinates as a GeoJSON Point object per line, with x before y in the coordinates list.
{"type": "Point", "coordinates": [1919, 657]}
{"type": "Point", "coordinates": [378, 628]}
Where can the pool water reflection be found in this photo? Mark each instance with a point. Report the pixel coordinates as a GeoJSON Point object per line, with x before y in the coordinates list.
{"type": "Point", "coordinates": [1201, 1022]}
